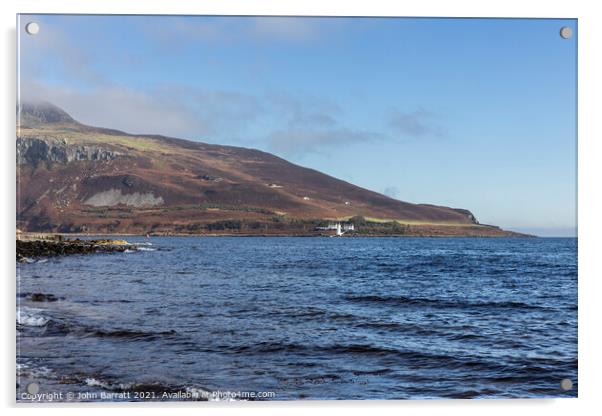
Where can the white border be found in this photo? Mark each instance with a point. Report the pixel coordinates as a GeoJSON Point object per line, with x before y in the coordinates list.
{"type": "Point", "coordinates": [590, 71]}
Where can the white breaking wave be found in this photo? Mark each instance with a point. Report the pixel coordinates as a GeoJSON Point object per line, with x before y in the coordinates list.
{"type": "Point", "coordinates": [28, 370]}
{"type": "Point", "coordinates": [30, 317]}
{"type": "Point", "coordinates": [139, 249]}
{"type": "Point", "coordinates": [92, 382]}
{"type": "Point", "coordinates": [202, 394]}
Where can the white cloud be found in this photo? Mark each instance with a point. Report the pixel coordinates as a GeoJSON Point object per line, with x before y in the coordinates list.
{"type": "Point", "coordinates": [416, 123]}
{"type": "Point", "coordinates": [53, 45]}
{"type": "Point", "coordinates": [171, 111]}
{"type": "Point", "coordinates": [294, 142]}
{"type": "Point", "coordinates": [310, 125]}
{"type": "Point", "coordinates": [299, 112]}
{"type": "Point", "coordinates": [391, 192]}
{"type": "Point", "coordinates": [179, 31]}
{"type": "Point", "coordinates": [285, 28]}
{"type": "Point", "coordinates": [288, 125]}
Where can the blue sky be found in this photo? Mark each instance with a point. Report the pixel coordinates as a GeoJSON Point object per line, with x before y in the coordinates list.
{"type": "Point", "coordinates": [471, 113]}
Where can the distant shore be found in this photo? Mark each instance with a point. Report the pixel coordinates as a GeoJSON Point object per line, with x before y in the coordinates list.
{"type": "Point", "coordinates": [308, 235]}
{"type": "Point", "coordinates": [69, 236]}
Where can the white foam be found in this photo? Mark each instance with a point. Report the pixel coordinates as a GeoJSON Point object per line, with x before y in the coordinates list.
{"type": "Point", "coordinates": [92, 382]}
{"type": "Point", "coordinates": [199, 394]}
{"type": "Point", "coordinates": [30, 317]}
{"type": "Point", "coordinates": [146, 249]}
{"type": "Point", "coordinates": [213, 398]}
{"type": "Point", "coordinates": [27, 370]}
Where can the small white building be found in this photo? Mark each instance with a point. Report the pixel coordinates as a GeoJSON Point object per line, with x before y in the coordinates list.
{"type": "Point", "coordinates": [340, 228]}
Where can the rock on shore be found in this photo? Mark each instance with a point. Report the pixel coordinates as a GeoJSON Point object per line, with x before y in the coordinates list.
{"type": "Point", "coordinates": [40, 248]}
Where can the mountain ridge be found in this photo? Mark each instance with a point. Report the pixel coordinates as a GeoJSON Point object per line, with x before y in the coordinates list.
{"type": "Point", "coordinates": [77, 178]}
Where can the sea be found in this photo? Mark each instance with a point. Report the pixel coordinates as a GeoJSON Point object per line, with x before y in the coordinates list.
{"type": "Point", "coordinates": [279, 318]}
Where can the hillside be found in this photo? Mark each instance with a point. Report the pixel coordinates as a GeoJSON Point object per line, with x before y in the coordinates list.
{"type": "Point", "coordinates": [76, 178]}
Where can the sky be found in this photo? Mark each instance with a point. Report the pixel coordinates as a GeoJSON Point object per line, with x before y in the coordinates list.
{"type": "Point", "coordinates": [468, 113]}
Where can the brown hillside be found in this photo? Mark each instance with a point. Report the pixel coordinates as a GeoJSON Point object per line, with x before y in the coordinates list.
{"type": "Point", "coordinates": [77, 178]}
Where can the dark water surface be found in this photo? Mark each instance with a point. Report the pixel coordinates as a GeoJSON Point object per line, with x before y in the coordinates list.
{"type": "Point", "coordinates": [317, 318]}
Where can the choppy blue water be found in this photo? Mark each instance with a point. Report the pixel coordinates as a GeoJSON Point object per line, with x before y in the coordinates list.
{"type": "Point", "coordinates": [316, 318]}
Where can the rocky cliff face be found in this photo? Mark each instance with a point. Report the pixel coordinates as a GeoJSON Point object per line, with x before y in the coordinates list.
{"type": "Point", "coordinates": [33, 150]}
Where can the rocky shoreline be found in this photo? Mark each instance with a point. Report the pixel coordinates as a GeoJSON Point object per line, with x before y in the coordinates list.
{"type": "Point", "coordinates": [47, 248]}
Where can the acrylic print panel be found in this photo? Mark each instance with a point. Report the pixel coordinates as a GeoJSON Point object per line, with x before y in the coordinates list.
{"type": "Point", "coordinates": [287, 208]}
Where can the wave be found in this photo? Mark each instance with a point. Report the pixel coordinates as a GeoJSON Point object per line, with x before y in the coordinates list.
{"type": "Point", "coordinates": [30, 370]}
{"type": "Point", "coordinates": [39, 297]}
{"type": "Point", "coordinates": [92, 382]}
{"type": "Point", "coordinates": [272, 347]}
{"type": "Point", "coordinates": [388, 354]}
{"type": "Point", "coordinates": [31, 317]}
{"type": "Point", "coordinates": [155, 387]}
{"type": "Point", "coordinates": [56, 328]}
{"type": "Point", "coordinates": [166, 391]}
{"type": "Point", "coordinates": [138, 248]}
{"type": "Point", "coordinates": [363, 349]}
{"type": "Point", "coordinates": [424, 330]}
{"type": "Point", "coordinates": [131, 334]}
{"type": "Point", "coordinates": [26, 260]}
{"type": "Point", "coordinates": [49, 326]}
{"type": "Point", "coordinates": [101, 301]}
{"type": "Point", "coordinates": [162, 391]}
{"type": "Point", "coordinates": [440, 303]}
{"type": "Point", "coordinates": [313, 312]}
{"type": "Point", "coordinates": [376, 372]}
